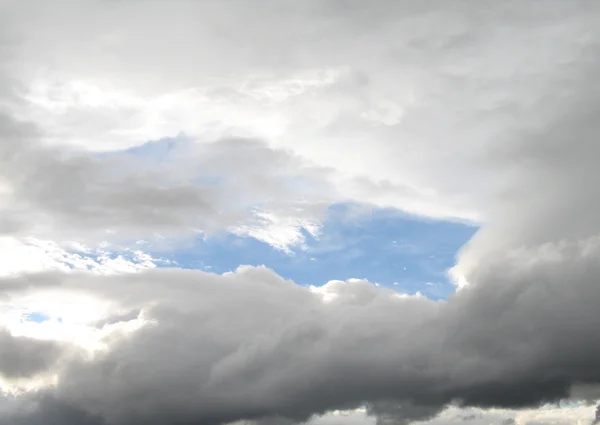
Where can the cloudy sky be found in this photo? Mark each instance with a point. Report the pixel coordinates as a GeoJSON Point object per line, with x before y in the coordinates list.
{"type": "Point", "coordinates": [284, 212]}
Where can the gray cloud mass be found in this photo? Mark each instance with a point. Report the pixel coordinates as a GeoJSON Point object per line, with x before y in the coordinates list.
{"type": "Point", "coordinates": [502, 120]}
{"type": "Point", "coordinates": [247, 345]}
{"type": "Point", "coordinates": [22, 357]}
{"type": "Point", "coordinates": [84, 194]}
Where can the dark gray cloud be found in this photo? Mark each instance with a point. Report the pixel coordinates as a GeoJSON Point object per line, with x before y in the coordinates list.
{"type": "Point", "coordinates": [217, 349]}
{"type": "Point", "coordinates": [43, 409]}
{"type": "Point", "coordinates": [22, 357]}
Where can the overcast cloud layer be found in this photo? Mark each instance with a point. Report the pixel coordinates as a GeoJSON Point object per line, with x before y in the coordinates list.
{"type": "Point", "coordinates": [473, 110]}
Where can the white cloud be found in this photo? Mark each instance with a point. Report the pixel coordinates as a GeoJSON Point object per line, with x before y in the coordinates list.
{"type": "Point", "coordinates": [381, 95]}
{"type": "Point", "coordinates": [34, 255]}
{"type": "Point", "coordinates": [281, 232]}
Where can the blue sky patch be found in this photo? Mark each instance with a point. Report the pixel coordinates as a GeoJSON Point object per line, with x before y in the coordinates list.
{"type": "Point", "coordinates": [36, 317]}
{"type": "Point", "coordinates": [388, 247]}
{"type": "Point", "coordinates": [384, 246]}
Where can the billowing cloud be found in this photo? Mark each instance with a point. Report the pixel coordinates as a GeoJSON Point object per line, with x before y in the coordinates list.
{"type": "Point", "coordinates": [482, 112]}
{"type": "Point", "coordinates": [219, 348]}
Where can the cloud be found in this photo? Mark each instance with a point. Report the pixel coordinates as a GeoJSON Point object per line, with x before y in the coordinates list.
{"type": "Point", "coordinates": [383, 95]}
{"type": "Point", "coordinates": [23, 357]}
{"type": "Point", "coordinates": [42, 409]}
{"type": "Point", "coordinates": [451, 82]}
{"type": "Point", "coordinates": [484, 113]}
{"type": "Point", "coordinates": [194, 188]}
{"type": "Point", "coordinates": [245, 345]}
{"type": "Point", "coordinates": [394, 413]}
{"type": "Point", "coordinates": [31, 255]}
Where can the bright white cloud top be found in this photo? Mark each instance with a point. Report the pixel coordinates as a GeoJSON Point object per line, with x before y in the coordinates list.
{"type": "Point", "coordinates": [129, 130]}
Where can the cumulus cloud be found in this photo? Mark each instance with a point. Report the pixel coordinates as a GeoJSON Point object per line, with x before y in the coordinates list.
{"type": "Point", "coordinates": [245, 345]}
{"type": "Point", "coordinates": [480, 112]}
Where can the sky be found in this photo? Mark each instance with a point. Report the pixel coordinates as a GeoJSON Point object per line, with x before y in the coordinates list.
{"type": "Point", "coordinates": [275, 212]}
